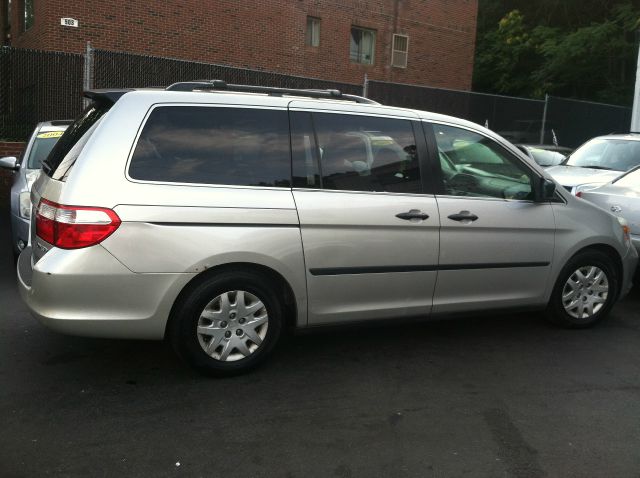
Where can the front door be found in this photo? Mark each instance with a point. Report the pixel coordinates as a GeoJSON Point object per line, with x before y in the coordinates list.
{"type": "Point", "coordinates": [496, 243]}
{"type": "Point", "coordinates": [370, 235]}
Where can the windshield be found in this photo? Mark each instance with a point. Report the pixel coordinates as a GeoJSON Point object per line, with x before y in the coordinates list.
{"type": "Point", "coordinates": [546, 158]}
{"type": "Point", "coordinates": [42, 146]}
{"type": "Point", "coordinates": [613, 154]}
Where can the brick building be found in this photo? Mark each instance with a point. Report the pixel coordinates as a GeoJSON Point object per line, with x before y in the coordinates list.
{"type": "Point", "coordinates": [425, 42]}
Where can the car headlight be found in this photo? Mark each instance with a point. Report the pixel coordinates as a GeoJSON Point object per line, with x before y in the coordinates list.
{"type": "Point", "coordinates": [578, 190]}
{"type": "Point", "coordinates": [25, 204]}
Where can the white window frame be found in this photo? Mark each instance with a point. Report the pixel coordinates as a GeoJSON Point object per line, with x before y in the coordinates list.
{"type": "Point", "coordinates": [312, 34]}
{"type": "Point", "coordinates": [395, 53]}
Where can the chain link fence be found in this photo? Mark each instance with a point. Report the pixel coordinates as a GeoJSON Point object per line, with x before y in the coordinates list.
{"type": "Point", "coordinates": [115, 70]}
{"type": "Point", "coordinates": [574, 122]}
{"type": "Point", "coordinates": [38, 85]}
{"type": "Point", "coordinates": [500, 113]}
{"type": "Point", "coordinates": [567, 121]}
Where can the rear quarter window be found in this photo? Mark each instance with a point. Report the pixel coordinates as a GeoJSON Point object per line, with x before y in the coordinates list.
{"type": "Point", "coordinates": [59, 161]}
{"type": "Point", "coordinates": [214, 145]}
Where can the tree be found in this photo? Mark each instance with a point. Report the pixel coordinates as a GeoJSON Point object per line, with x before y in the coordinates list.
{"type": "Point", "coordinates": [588, 57]}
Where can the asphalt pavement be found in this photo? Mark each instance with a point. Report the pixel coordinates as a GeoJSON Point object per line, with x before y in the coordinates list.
{"type": "Point", "coordinates": [479, 397]}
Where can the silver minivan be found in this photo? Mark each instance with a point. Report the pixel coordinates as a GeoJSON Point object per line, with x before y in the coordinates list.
{"type": "Point", "coordinates": [41, 142]}
{"type": "Point", "coordinates": [218, 215]}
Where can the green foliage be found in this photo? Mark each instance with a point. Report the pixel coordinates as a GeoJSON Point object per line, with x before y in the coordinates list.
{"type": "Point", "coordinates": [591, 57]}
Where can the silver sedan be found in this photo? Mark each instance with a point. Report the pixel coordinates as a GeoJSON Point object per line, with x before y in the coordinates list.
{"type": "Point", "coordinates": [620, 197]}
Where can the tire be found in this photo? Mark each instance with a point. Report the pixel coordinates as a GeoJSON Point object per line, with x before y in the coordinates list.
{"type": "Point", "coordinates": [228, 324]}
{"type": "Point", "coordinates": [585, 291]}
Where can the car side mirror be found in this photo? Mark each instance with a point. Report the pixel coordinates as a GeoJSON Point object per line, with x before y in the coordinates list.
{"type": "Point", "coordinates": [9, 162]}
{"type": "Point", "coordinates": [546, 190]}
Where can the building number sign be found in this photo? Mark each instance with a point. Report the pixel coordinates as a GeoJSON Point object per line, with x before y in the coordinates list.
{"type": "Point", "coordinates": [69, 22]}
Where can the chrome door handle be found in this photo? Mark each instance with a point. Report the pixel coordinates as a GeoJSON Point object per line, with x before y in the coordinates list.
{"type": "Point", "coordinates": [463, 216]}
{"type": "Point", "coordinates": [413, 214]}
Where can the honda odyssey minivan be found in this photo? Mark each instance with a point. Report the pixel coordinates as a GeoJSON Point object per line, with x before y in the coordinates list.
{"type": "Point", "coordinates": [218, 215]}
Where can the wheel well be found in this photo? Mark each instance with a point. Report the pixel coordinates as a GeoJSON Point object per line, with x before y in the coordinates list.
{"type": "Point", "coordinates": [613, 254]}
{"type": "Point", "coordinates": [283, 288]}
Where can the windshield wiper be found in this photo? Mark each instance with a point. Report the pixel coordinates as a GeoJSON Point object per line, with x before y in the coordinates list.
{"type": "Point", "coordinates": [600, 167]}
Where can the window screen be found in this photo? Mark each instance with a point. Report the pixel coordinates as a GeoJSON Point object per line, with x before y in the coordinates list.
{"type": "Point", "coordinates": [197, 144]}
{"type": "Point", "coordinates": [354, 153]}
{"type": "Point", "coordinates": [400, 51]}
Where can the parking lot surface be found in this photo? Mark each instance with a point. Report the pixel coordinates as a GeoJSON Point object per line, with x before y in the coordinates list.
{"type": "Point", "coordinates": [488, 396]}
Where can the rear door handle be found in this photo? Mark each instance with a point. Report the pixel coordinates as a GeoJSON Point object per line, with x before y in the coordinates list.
{"type": "Point", "coordinates": [463, 216]}
{"type": "Point", "coordinates": [413, 214]}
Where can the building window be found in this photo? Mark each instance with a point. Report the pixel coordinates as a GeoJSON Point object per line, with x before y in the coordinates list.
{"type": "Point", "coordinates": [313, 31]}
{"type": "Point", "coordinates": [28, 14]}
{"type": "Point", "coordinates": [363, 44]}
{"type": "Point", "coordinates": [400, 51]}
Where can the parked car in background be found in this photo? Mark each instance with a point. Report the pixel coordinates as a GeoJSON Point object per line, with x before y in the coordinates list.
{"type": "Point", "coordinates": [218, 215]}
{"type": "Point", "coordinates": [598, 161]}
{"type": "Point", "coordinates": [545, 154]}
{"type": "Point", "coordinates": [27, 169]}
{"type": "Point", "coordinates": [620, 197]}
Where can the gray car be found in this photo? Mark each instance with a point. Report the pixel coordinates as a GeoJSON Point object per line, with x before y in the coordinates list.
{"type": "Point", "coordinates": [41, 142]}
{"type": "Point", "coordinates": [219, 215]}
{"type": "Point", "coordinates": [620, 197]}
{"type": "Point", "coordinates": [598, 161]}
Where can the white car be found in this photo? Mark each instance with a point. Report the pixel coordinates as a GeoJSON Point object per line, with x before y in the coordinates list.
{"type": "Point", "coordinates": [598, 161]}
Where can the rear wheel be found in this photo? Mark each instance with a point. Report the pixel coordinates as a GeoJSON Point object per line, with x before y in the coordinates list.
{"type": "Point", "coordinates": [228, 324]}
{"type": "Point", "coordinates": [585, 291]}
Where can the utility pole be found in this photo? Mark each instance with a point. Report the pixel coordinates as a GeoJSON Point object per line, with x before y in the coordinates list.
{"type": "Point", "coordinates": [635, 109]}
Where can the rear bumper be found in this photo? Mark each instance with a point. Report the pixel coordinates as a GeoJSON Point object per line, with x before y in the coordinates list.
{"type": "Point", "coordinates": [88, 292]}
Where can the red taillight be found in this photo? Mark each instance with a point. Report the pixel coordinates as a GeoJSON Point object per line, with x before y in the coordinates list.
{"type": "Point", "coordinates": [74, 227]}
{"type": "Point", "coordinates": [579, 194]}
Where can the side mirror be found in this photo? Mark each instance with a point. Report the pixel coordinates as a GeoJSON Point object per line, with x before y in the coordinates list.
{"type": "Point", "coordinates": [546, 190]}
{"type": "Point", "coordinates": [9, 162]}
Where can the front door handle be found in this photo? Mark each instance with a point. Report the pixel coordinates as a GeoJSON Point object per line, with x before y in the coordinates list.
{"type": "Point", "coordinates": [463, 216]}
{"type": "Point", "coordinates": [413, 214]}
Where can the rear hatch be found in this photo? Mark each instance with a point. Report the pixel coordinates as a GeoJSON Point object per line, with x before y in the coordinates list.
{"type": "Point", "coordinates": [60, 161]}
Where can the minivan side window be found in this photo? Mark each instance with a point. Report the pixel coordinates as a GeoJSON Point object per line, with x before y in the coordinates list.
{"type": "Point", "coordinates": [354, 153]}
{"type": "Point", "coordinates": [475, 166]}
{"type": "Point", "coordinates": [214, 145]}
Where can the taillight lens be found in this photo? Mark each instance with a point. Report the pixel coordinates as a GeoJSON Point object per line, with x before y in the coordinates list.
{"type": "Point", "coordinates": [74, 227]}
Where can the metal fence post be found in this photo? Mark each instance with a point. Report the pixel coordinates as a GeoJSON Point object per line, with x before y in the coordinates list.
{"type": "Point", "coordinates": [87, 80]}
{"type": "Point", "coordinates": [365, 86]}
{"type": "Point", "coordinates": [544, 118]}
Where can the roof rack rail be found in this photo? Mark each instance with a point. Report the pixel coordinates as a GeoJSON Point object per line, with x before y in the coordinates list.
{"type": "Point", "coordinates": [273, 91]}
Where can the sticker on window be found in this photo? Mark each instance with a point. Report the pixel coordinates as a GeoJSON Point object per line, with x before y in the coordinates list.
{"type": "Point", "coordinates": [50, 134]}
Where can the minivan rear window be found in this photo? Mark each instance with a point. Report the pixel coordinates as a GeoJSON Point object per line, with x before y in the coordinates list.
{"type": "Point", "coordinates": [214, 145]}
{"type": "Point", "coordinates": [71, 136]}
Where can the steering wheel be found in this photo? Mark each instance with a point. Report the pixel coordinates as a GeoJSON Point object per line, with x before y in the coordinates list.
{"type": "Point", "coordinates": [462, 182]}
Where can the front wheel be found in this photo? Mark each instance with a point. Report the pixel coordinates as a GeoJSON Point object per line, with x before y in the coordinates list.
{"type": "Point", "coordinates": [585, 291]}
{"type": "Point", "coordinates": [228, 324]}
